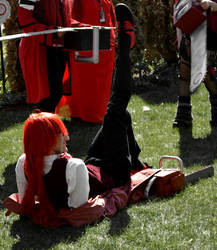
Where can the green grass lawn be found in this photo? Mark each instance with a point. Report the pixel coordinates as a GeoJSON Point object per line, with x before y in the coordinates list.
{"type": "Point", "coordinates": [187, 220]}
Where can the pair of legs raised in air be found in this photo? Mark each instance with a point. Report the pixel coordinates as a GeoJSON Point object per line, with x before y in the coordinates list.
{"type": "Point", "coordinates": [114, 148]}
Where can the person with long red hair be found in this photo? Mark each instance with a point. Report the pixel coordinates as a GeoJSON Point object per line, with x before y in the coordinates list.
{"type": "Point", "coordinates": [50, 177]}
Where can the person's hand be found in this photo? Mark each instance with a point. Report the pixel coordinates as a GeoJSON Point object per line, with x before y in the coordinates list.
{"type": "Point", "coordinates": [60, 34]}
{"type": "Point", "coordinates": [58, 38]}
{"type": "Point", "coordinates": [206, 4]}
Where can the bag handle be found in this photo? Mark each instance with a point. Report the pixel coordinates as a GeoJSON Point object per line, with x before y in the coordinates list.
{"type": "Point", "coordinates": [153, 178]}
{"type": "Point", "coordinates": [164, 157]}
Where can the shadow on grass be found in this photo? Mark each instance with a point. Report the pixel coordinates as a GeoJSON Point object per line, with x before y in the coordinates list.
{"type": "Point", "coordinates": [32, 236]}
{"type": "Point", "coordinates": [160, 87]}
{"type": "Point", "coordinates": [9, 186]}
{"type": "Point", "coordinates": [119, 221]}
{"type": "Point", "coordinates": [199, 150]}
{"type": "Point", "coordinates": [12, 115]}
{"type": "Point", "coordinates": [81, 135]}
{"type": "Point", "coordinates": [35, 237]}
{"type": "Point", "coordinates": [157, 94]}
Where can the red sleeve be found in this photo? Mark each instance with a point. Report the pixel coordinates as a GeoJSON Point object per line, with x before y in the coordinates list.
{"type": "Point", "coordinates": [113, 24]}
{"type": "Point", "coordinates": [28, 23]}
{"type": "Point", "coordinates": [70, 12]}
{"type": "Point", "coordinates": [113, 16]}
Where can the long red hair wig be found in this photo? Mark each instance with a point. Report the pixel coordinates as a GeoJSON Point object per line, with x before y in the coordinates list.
{"type": "Point", "coordinates": [40, 135]}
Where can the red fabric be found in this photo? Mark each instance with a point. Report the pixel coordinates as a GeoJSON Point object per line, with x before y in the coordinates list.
{"type": "Point", "coordinates": [91, 83]}
{"type": "Point", "coordinates": [32, 50]}
{"type": "Point", "coordinates": [105, 205]}
{"type": "Point", "coordinates": [32, 54]}
{"type": "Point", "coordinates": [99, 181]}
{"type": "Point", "coordinates": [128, 28]}
{"type": "Point", "coordinates": [212, 21]}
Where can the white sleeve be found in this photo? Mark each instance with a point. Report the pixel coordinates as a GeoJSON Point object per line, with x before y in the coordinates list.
{"type": "Point", "coordinates": [77, 178]}
{"type": "Point", "coordinates": [20, 176]}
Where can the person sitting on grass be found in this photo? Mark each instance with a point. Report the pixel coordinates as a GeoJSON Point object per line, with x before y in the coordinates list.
{"type": "Point", "coordinates": [47, 174]}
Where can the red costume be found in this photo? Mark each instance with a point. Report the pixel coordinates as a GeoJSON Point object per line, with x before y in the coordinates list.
{"type": "Point", "coordinates": [91, 83]}
{"type": "Point", "coordinates": [105, 205]}
{"type": "Point", "coordinates": [36, 16]}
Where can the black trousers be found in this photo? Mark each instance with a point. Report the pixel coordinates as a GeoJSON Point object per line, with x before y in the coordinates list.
{"type": "Point", "coordinates": [56, 64]}
{"type": "Point", "coordinates": [114, 148]}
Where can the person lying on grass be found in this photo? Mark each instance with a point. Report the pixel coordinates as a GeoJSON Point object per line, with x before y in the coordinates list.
{"type": "Point", "coordinates": [48, 174]}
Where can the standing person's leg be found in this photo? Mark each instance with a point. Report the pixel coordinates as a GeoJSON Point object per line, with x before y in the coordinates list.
{"type": "Point", "coordinates": [210, 80]}
{"type": "Point", "coordinates": [211, 86]}
{"type": "Point", "coordinates": [114, 144]}
{"type": "Point", "coordinates": [56, 63]}
{"type": "Point", "coordinates": [183, 116]}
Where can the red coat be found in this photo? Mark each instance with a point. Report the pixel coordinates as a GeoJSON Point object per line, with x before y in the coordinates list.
{"type": "Point", "coordinates": [91, 83]}
{"type": "Point", "coordinates": [32, 50]}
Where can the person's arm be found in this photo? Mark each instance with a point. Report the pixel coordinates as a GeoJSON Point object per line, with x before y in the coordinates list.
{"type": "Point", "coordinates": [77, 179]}
{"type": "Point", "coordinates": [28, 23]}
{"type": "Point", "coordinates": [20, 176]}
{"type": "Point", "coordinates": [113, 24]}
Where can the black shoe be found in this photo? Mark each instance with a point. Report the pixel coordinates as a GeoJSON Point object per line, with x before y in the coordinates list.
{"type": "Point", "coordinates": [125, 21]}
{"type": "Point", "coordinates": [183, 117]}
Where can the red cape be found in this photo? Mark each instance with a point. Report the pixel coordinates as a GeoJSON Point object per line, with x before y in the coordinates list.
{"type": "Point", "coordinates": [105, 205]}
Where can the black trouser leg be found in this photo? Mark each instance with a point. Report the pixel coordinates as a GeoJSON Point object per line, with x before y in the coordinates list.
{"type": "Point", "coordinates": [114, 148]}
{"type": "Point", "coordinates": [56, 63]}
